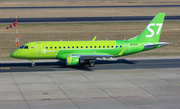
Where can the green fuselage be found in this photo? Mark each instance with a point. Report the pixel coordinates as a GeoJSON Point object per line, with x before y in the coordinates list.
{"type": "Point", "coordinates": [62, 49]}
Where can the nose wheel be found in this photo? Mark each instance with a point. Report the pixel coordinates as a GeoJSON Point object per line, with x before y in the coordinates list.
{"type": "Point", "coordinates": [33, 63]}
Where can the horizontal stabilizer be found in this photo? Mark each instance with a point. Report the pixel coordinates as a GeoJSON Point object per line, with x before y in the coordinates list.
{"type": "Point", "coordinates": [151, 45]}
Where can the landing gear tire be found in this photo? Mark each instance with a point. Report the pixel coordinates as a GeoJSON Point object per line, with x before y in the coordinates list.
{"type": "Point", "coordinates": [32, 65]}
{"type": "Point", "coordinates": [33, 62]}
{"type": "Point", "coordinates": [91, 64]}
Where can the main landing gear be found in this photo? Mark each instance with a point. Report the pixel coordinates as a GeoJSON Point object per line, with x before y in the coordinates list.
{"type": "Point", "coordinates": [91, 63]}
{"type": "Point", "coordinates": [33, 62]}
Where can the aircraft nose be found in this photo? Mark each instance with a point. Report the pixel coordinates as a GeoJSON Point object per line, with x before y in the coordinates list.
{"type": "Point", "coordinates": [14, 54]}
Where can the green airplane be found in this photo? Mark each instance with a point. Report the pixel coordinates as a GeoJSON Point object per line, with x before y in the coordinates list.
{"type": "Point", "coordinates": [86, 52]}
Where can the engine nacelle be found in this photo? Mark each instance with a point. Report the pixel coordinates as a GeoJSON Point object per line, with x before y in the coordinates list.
{"type": "Point", "coordinates": [73, 60]}
{"type": "Point", "coordinates": [70, 61]}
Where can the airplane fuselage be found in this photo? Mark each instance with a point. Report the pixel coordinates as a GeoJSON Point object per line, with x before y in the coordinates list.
{"type": "Point", "coordinates": [62, 49]}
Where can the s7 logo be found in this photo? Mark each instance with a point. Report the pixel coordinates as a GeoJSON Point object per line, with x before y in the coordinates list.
{"type": "Point", "coordinates": [152, 31]}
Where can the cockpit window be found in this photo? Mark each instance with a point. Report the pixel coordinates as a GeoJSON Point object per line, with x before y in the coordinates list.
{"type": "Point", "coordinates": [26, 47]}
{"type": "Point", "coordinates": [21, 47]}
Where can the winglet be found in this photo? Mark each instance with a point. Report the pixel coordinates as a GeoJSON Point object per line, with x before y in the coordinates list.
{"type": "Point", "coordinates": [94, 38]}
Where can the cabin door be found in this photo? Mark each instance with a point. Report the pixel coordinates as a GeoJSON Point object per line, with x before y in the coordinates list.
{"type": "Point", "coordinates": [38, 48]}
{"type": "Point", "coordinates": [127, 45]}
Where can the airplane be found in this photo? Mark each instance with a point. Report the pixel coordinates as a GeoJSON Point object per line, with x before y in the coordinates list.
{"type": "Point", "coordinates": [77, 53]}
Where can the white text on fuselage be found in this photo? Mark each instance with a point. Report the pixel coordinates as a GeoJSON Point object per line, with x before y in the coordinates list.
{"type": "Point", "coordinates": [45, 51]}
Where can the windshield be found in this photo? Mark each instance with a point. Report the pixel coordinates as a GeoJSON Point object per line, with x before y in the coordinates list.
{"type": "Point", "coordinates": [21, 47]}
{"type": "Point", "coordinates": [26, 47]}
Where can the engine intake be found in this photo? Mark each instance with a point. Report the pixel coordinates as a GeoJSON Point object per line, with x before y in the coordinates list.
{"type": "Point", "coordinates": [70, 61]}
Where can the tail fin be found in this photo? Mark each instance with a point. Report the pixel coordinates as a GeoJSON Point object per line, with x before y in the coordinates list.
{"type": "Point", "coordinates": [153, 31]}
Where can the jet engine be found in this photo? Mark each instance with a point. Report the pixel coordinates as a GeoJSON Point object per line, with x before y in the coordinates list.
{"type": "Point", "coordinates": [75, 61]}
{"type": "Point", "coordinates": [71, 61]}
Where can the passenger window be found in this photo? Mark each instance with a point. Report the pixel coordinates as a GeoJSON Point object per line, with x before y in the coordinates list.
{"type": "Point", "coordinates": [51, 47]}
{"type": "Point", "coordinates": [26, 47]}
{"type": "Point", "coordinates": [55, 47]}
{"type": "Point", "coordinates": [107, 46]}
{"type": "Point", "coordinates": [120, 46]}
{"type": "Point", "coordinates": [64, 47]}
{"type": "Point", "coordinates": [116, 46]}
{"type": "Point", "coordinates": [21, 47]}
{"type": "Point", "coordinates": [90, 46]}
{"type": "Point", "coordinates": [86, 46]}
{"type": "Point", "coordinates": [112, 46]}
{"type": "Point", "coordinates": [68, 47]}
{"type": "Point", "coordinates": [81, 46]}
{"type": "Point", "coordinates": [94, 46]}
{"type": "Point", "coordinates": [103, 46]}
{"type": "Point", "coordinates": [46, 47]}
{"type": "Point", "coordinates": [59, 47]}
{"type": "Point", "coordinates": [77, 47]}
{"type": "Point", "coordinates": [72, 46]}
{"type": "Point", "coordinates": [99, 46]}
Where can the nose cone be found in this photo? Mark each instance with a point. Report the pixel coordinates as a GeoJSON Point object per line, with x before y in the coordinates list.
{"type": "Point", "coordinates": [14, 54]}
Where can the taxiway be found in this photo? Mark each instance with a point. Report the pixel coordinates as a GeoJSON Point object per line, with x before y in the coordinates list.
{"type": "Point", "coordinates": [122, 84]}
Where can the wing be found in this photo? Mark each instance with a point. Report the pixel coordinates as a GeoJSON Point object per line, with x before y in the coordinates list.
{"type": "Point", "coordinates": [98, 57]}
{"type": "Point", "coordinates": [94, 57]}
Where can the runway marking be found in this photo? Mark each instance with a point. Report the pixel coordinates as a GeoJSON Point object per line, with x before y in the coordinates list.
{"type": "Point", "coordinates": [6, 68]}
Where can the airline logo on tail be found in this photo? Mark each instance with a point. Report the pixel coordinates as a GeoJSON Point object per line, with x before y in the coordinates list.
{"type": "Point", "coordinates": [153, 25]}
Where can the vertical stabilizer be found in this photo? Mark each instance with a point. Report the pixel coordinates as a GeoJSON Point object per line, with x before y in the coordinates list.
{"type": "Point", "coordinates": [153, 31]}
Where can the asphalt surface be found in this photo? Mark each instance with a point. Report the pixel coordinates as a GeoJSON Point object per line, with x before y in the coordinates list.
{"type": "Point", "coordinates": [136, 83]}
{"type": "Point", "coordinates": [86, 19]}
{"type": "Point", "coordinates": [65, 7]}
{"type": "Point", "coordinates": [99, 65]}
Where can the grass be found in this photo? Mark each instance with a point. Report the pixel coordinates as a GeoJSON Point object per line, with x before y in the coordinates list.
{"type": "Point", "coordinates": [18, 3]}
{"type": "Point", "coordinates": [86, 12]}
{"type": "Point", "coordinates": [86, 31]}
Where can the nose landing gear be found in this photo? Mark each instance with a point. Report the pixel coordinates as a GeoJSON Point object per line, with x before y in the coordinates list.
{"type": "Point", "coordinates": [33, 62]}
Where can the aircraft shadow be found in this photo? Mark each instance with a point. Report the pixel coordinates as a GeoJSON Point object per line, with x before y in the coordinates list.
{"type": "Point", "coordinates": [100, 64]}
{"type": "Point", "coordinates": [62, 65]}
{"type": "Point", "coordinates": [123, 61]}
{"type": "Point", "coordinates": [87, 68]}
